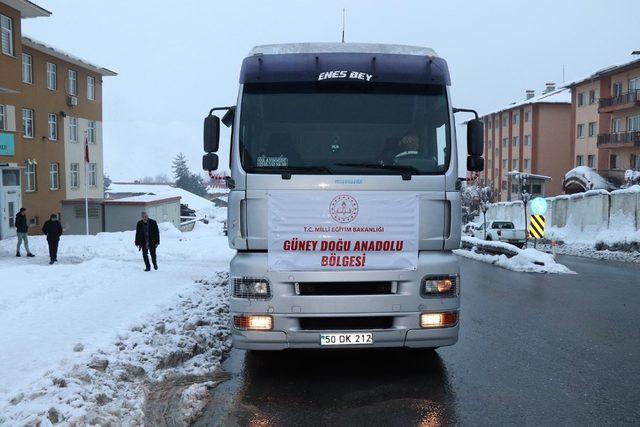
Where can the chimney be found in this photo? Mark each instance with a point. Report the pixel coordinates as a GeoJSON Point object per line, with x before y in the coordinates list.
{"type": "Point", "coordinates": [530, 93]}
{"type": "Point", "coordinates": [550, 87]}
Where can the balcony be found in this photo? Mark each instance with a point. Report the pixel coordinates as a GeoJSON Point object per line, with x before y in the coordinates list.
{"type": "Point", "coordinates": [621, 102]}
{"type": "Point", "coordinates": [618, 140]}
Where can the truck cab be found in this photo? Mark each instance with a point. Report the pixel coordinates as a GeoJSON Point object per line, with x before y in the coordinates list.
{"type": "Point", "coordinates": [343, 204]}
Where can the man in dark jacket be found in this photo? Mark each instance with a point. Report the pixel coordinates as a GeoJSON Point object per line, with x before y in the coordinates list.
{"type": "Point", "coordinates": [53, 230]}
{"type": "Point", "coordinates": [147, 239]}
{"type": "Point", "coordinates": [22, 229]}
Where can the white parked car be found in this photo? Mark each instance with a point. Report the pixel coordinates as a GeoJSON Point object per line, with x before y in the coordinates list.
{"type": "Point", "coordinates": [501, 231]}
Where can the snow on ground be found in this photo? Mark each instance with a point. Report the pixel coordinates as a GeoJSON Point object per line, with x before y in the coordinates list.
{"type": "Point", "coordinates": [526, 260]}
{"type": "Point", "coordinates": [60, 323]}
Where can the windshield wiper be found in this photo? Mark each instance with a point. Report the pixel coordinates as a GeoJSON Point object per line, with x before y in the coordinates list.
{"type": "Point", "coordinates": [406, 170]}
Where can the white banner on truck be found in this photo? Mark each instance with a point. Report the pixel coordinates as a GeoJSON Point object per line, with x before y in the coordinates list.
{"type": "Point", "coordinates": [327, 230]}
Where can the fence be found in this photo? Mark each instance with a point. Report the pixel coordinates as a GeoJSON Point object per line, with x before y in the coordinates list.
{"type": "Point", "coordinates": [580, 216]}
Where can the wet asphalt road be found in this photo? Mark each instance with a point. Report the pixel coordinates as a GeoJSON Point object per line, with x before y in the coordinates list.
{"type": "Point", "coordinates": [533, 349]}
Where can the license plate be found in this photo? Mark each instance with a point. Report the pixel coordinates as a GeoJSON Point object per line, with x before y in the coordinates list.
{"type": "Point", "coordinates": [356, 338]}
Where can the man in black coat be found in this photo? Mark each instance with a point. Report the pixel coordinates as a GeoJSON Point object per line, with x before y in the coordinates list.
{"type": "Point", "coordinates": [53, 230]}
{"type": "Point", "coordinates": [147, 239]}
{"type": "Point", "coordinates": [22, 229]}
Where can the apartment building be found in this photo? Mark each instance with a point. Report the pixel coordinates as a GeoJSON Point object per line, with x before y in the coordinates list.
{"type": "Point", "coordinates": [531, 137]}
{"type": "Point", "coordinates": [50, 103]}
{"type": "Point", "coordinates": [606, 120]}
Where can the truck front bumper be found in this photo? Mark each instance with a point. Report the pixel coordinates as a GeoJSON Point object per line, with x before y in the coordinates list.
{"type": "Point", "coordinates": [288, 309]}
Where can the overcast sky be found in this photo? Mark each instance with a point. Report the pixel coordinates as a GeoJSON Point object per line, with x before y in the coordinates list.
{"type": "Point", "coordinates": [177, 59]}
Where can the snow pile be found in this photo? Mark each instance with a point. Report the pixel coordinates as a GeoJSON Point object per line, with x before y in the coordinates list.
{"type": "Point", "coordinates": [525, 260]}
{"type": "Point", "coordinates": [83, 335]}
{"type": "Point", "coordinates": [587, 178]}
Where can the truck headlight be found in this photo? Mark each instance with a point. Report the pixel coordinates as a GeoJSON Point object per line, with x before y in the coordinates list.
{"type": "Point", "coordinates": [440, 286]}
{"type": "Point", "coordinates": [249, 287]}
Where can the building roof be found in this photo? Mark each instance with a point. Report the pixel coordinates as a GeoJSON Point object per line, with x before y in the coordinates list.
{"type": "Point", "coordinates": [558, 96]}
{"type": "Point", "coordinates": [60, 54]}
{"type": "Point", "coordinates": [275, 49]}
{"type": "Point", "coordinates": [145, 199]}
{"type": "Point", "coordinates": [612, 69]}
{"type": "Point", "coordinates": [26, 8]}
{"type": "Point", "coordinates": [193, 201]}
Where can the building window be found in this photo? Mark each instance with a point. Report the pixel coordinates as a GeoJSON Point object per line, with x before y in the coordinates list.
{"type": "Point", "coordinates": [527, 163]}
{"type": "Point", "coordinates": [633, 123]}
{"type": "Point", "coordinates": [27, 123]}
{"type": "Point", "coordinates": [504, 185]}
{"type": "Point", "coordinates": [52, 76]}
{"type": "Point", "coordinates": [73, 83]}
{"type": "Point", "coordinates": [526, 116]}
{"type": "Point", "coordinates": [634, 162]}
{"type": "Point", "coordinates": [593, 128]}
{"type": "Point", "coordinates": [497, 151]}
{"type": "Point", "coordinates": [516, 118]}
{"type": "Point", "coordinates": [6, 26]}
{"type": "Point", "coordinates": [54, 182]}
{"type": "Point", "coordinates": [3, 117]}
{"type": "Point", "coordinates": [515, 164]}
{"type": "Point", "coordinates": [505, 142]}
{"type": "Point", "coordinates": [52, 121]}
{"type": "Point", "coordinates": [516, 141]}
{"type": "Point", "coordinates": [616, 125]}
{"type": "Point", "coordinates": [27, 68]}
{"type": "Point", "coordinates": [580, 99]}
{"type": "Point", "coordinates": [578, 160]}
{"type": "Point", "coordinates": [91, 88]}
{"type": "Point", "coordinates": [593, 96]}
{"type": "Point", "coordinates": [504, 163]}
{"type": "Point", "coordinates": [527, 140]}
{"type": "Point", "coordinates": [634, 84]}
{"type": "Point", "coordinates": [93, 174]}
{"type": "Point", "coordinates": [613, 161]}
{"type": "Point", "coordinates": [581, 130]}
{"type": "Point", "coordinates": [30, 173]}
{"type": "Point", "coordinates": [91, 132]}
{"type": "Point", "coordinates": [591, 161]}
{"type": "Point", "coordinates": [75, 175]}
{"type": "Point", "coordinates": [617, 89]}
{"type": "Point", "coordinates": [73, 129]}
{"type": "Point", "coordinates": [505, 120]}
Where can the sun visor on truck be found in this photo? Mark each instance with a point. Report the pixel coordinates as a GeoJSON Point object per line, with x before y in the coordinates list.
{"type": "Point", "coordinates": [364, 67]}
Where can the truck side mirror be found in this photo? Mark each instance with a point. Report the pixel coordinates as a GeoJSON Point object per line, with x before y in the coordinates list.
{"type": "Point", "coordinates": [475, 137]}
{"type": "Point", "coordinates": [475, 163]}
{"type": "Point", "coordinates": [210, 162]}
{"type": "Point", "coordinates": [211, 134]}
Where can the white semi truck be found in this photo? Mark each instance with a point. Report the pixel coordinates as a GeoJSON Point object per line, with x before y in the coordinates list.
{"type": "Point", "coordinates": [343, 203]}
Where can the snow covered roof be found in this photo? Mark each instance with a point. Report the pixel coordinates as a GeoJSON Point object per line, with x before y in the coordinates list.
{"type": "Point", "coordinates": [604, 72]}
{"type": "Point", "coordinates": [558, 96]}
{"type": "Point", "coordinates": [275, 49]}
{"type": "Point", "coordinates": [26, 8]}
{"type": "Point", "coordinates": [60, 54]}
{"type": "Point", "coordinates": [143, 200]}
{"type": "Point", "coordinates": [193, 201]}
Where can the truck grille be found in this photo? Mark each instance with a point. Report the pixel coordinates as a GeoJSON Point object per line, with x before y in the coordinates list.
{"type": "Point", "coordinates": [344, 288]}
{"type": "Point", "coordinates": [345, 323]}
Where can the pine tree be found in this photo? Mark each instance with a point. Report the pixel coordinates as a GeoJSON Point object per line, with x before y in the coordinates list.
{"type": "Point", "coordinates": [185, 179]}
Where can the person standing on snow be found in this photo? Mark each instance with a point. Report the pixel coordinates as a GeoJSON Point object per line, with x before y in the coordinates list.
{"type": "Point", "coordinates": [53, 230]}
{"type": "Point", "coordinates": [22, 229]}
{"type": "Point", "coordinates": [147, 239]}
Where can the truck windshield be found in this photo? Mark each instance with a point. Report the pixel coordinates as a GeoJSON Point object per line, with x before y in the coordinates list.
{"type": "Point", "coordinates": [344, 128]}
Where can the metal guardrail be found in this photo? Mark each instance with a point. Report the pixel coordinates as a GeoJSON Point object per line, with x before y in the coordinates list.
{"type": "Point", "coordinates": [625, 98]}
{"type": "Point", "coordinates": [619, 138]}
